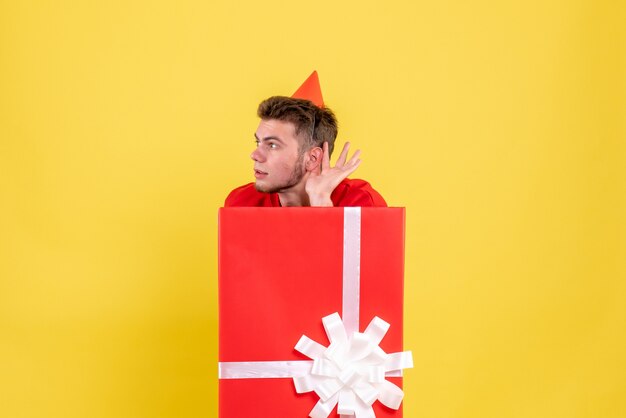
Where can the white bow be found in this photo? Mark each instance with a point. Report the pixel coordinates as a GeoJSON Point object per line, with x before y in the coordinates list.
{"type": "Point", "coordinates": [351, 371]}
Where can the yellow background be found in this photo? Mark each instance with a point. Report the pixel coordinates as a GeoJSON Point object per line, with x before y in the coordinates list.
{"type": "Point", "coordinates": [501, 126]}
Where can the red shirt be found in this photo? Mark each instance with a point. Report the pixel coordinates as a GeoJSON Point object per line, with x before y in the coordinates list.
{"type": "Point", "coordinates": [348, 193]}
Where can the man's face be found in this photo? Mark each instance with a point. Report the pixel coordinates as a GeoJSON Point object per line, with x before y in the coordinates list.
{"type": "Point", "coordinates": [278, 164]}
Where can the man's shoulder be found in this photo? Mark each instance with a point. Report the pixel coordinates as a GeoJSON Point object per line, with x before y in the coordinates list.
{"type": "Point", "coordinates": [247, 195]}
{"type": "Point", "coordinates": [350, 192]}
{"type": "Point", "coordinates": [356, 192]}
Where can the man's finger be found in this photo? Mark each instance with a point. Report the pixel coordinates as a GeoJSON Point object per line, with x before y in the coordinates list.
{"type": "Point", "coordinates": [354, 157]}
{"type": "Point", "coordinates": [325, 157]}
{"type": "Point", "coordinates": [344, 154]}
{"type": "Point", "coordinates": [349, 169]}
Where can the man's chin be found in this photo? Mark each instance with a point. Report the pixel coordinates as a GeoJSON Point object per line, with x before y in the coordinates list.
{"type": "Point", "coordinates": [262, 188]}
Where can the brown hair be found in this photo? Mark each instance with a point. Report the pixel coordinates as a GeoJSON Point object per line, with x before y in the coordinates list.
{"type": "Point", "coordinates": [314, 125]}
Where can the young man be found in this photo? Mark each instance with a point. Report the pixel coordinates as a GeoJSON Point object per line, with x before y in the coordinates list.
{"type": "Point", "coordinates": [295, 139]}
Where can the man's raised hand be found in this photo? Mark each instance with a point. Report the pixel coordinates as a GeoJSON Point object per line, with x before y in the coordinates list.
{"type": "Point", "coordinates": [322, 182]}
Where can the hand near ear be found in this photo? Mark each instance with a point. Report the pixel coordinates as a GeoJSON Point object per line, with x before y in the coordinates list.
{"type": "Point", "coordinates": [322, 182]}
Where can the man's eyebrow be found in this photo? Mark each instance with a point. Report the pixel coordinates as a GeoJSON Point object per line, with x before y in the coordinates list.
{"type": "Point", "coordinates": [269, 138]}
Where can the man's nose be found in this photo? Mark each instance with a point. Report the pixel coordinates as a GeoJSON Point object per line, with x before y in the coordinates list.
{"type": "Point", "coordinates": [257, 155]}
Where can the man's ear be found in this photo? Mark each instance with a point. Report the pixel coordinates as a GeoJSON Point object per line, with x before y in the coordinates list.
{"type": "Point", "coordinates": [314, 160]}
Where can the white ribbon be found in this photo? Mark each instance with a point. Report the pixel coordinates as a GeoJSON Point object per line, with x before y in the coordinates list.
{"type": "Point", "coordinates": [351, 268]}
{"type": "Point", "coordinates": [351, 371]}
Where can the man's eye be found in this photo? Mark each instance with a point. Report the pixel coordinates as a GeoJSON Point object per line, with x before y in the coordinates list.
{"type": "Point", "coordinates": [273, 145]}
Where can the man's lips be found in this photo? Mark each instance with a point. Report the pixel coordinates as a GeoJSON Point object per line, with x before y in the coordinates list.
{"type": "Point", "coordinates": [259, 174]}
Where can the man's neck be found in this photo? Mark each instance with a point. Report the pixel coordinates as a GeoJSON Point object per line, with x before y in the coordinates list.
{"type": "Point", "coordinates": [295, 196]}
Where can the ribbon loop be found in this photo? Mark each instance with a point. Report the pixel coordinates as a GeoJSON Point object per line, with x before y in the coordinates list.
{"type": "Point", "coordinates": [328, 388]}
{"type": "Point", "coordinates": [399, 361]}
{"type": "Point", "coordinates": [334, 328]}
{"type": "Point", "coordinates": [377, 329]}
{"type": "Point", "coordinates": [389, 394]}
{"type": "Point", "coordinates": [375, 374]}
{"type": "Point", "coordinates": [364, 411]}
{"type": "Point", "coordinates": [305, 384]}
{"type": "Point", "coordinates": [323, 409]}
{"type": "Point", "coordinates": [366, 392]}
{"type": "Point", "coordinates": [347, 403]}
{"type": "Point", "coordinates": [309, 348]}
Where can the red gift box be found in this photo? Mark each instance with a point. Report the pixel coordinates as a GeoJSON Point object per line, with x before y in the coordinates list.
{"type": "Point", "coordinates": [280, 272]}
